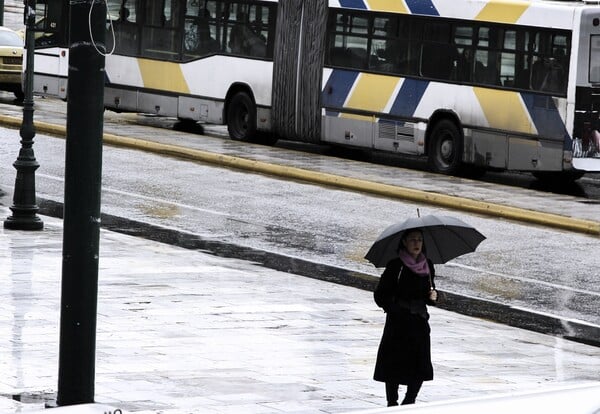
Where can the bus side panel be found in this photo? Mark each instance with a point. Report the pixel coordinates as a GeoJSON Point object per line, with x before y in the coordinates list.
{"type": "Point", "coordinates": [157, 104]}
{"type": "Point", "coordinates": [205, 110]}
{"type": "Point", "coordinates": [193, 90]}
{"type": "Point", "coordinates": [212, 77]}
{"type": "Point", "coordinates": [347, 130]}
{"type": "Point", "coordinates": [51, 72]}
{"type": "Point", "coordinates": [397, 136]}
{"type": "Point", "coordinates": [125, 100]}
{"type": "Point", "coordinates": [341, 120]}
{"type": "Point", "coordinates": [486, 149]}
{"type": "Point", "coordinates": [531, 155]}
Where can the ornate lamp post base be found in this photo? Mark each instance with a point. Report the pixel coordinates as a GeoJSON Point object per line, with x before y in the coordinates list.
{"type": "Point", "coordinates": [24, 208]}
{"type": "Point", "coordinates": [23, 219]}
{"type": "Point", "coordinates": [17, 223]}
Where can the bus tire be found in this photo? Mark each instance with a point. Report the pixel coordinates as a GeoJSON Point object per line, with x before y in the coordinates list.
{"type": "Point", "coordinates": [445, 148]}
{"type": "Point", "coordinates": [241, 117]}
{"type": "Point", "coordinates": [19, 95]}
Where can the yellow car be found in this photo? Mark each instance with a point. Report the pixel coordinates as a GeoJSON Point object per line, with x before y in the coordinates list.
{"type": "Point", "coordinates": [11, 61]}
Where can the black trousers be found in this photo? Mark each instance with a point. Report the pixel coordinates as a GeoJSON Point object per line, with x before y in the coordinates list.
{"type": "Point", "coordinates": [391, 392]}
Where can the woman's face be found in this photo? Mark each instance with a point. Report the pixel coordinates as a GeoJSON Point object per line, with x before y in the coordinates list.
{"type": "Point", "coordinates": [413, 243]}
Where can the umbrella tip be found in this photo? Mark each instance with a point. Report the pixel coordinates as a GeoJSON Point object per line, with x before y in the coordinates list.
{"type": "Point", "coordinates": [418, 213]}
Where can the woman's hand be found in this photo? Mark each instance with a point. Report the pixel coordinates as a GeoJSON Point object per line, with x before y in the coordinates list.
{"type": "Point", "coordinates": [433, 295]}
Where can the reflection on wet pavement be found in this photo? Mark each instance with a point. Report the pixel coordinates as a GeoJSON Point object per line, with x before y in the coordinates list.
{"type": "Point", "coordinates": [182, 331]}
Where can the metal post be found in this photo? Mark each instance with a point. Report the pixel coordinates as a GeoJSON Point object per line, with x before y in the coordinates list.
{"type": "Point", "coordinates": [1, 12]}
{"type": "Point", "coordinates": [83, 173]}
{"type": "Point", "coordinates": [24, 208]}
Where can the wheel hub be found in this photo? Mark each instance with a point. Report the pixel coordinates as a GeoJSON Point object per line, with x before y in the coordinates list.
{"type": "Point", "coordinates": [446, 150]}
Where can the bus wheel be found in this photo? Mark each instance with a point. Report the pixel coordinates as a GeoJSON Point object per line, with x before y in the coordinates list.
{"type": "Point", "coordinates": [241, 117]}
{"type": "Point", "coordinates": [445, 148]}
{"type": "Point", "coordinates": [19, 95]}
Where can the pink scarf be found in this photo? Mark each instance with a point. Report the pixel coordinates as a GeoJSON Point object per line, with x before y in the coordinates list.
{"type": "Point", "coordinates": [418, 266]}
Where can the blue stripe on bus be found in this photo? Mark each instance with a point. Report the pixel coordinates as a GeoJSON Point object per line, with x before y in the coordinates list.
{"type": "Point", "coordinates": [354, 4]}
{"type": "Point", "coordinates": [545, 116]}
{"type": "Point", "coordinates": [338, 88]}
{"type": "Point", "coordinates": [422, 7]}
{"type": "Point", "coordinates": [408, 98]}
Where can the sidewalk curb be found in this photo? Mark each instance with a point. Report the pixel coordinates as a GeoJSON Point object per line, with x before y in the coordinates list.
{"type": "Point", "coordinates": [577, 331]}
{"type": "Point", "coordinates": [354, 184]}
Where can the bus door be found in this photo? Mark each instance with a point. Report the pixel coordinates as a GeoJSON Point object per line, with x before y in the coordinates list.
{"type": "Point", "coordinates": [586, 128]}
{"type": "Point", "coordinates": [297, 69]}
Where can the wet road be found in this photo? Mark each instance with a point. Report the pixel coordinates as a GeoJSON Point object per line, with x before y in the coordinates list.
{"type": "Point", "coordinates": [539, 269]}
{"type": "Point", "coordinates": [587, 188]}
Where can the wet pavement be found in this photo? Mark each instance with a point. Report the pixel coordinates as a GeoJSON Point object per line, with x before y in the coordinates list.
{"type": "Point", "coordinates": [323, 232]}
{"type": "Point", "coordinates": [182, 331]}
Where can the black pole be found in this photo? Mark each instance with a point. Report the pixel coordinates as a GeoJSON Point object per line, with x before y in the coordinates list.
{"type": "Point", "coordinates": [1, 12]}
{"type": "Point", "coordinates": [24, 208]}
{"type": "Point", "coordinates": [83, 177]}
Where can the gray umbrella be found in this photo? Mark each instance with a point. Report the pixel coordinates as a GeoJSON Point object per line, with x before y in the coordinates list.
{"type": "Point", "coordinates": [444, 238]}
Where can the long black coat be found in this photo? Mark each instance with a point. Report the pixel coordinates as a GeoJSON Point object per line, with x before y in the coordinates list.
{"type": "Point", "coordinates": [404, 353]}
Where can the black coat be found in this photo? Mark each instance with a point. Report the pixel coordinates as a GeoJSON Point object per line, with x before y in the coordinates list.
{"type": "Point", "coordinates": [404, 353]}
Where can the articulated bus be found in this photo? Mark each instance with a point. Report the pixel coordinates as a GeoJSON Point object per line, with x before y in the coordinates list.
{"type": "Point", "coordinates": [470, 84]}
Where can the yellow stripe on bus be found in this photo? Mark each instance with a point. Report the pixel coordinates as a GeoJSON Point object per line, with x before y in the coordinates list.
{"type": "Point", "coordinates": [502, 108]}
{"type": "Point", "coordinates": [397, 6]}
{"type": "Point", "coordinates": [503, 11]}
{"type": "Point", "coordinates": [371, 93]}
{"type": "Point", "coordinates": [163, 76]}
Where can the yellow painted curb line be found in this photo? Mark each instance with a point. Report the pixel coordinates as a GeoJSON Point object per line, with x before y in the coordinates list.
{"type": "Point", "coordinates": [386, 190]}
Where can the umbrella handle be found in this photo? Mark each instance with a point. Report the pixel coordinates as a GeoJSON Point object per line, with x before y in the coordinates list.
{"type": "Point", "coordinates": [433, 296]}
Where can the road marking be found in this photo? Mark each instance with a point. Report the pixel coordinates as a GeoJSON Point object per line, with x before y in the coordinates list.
{"type": "Point", "coordinates": [147, 198]}
{"type": "Point", "coordinates": [528, 280]}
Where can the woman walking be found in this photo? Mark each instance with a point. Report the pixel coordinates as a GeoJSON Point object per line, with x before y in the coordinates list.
{"type": "Point", "coordinates": [405, 288]}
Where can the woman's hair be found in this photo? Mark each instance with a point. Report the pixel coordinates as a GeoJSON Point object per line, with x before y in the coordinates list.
{"type": "Point", "coordinates": [405, 236]}
{"type": "Point", "coordinates": [411, 231]}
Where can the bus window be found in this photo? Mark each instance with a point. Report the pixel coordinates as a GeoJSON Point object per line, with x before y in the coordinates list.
{"type": "Point", "coordinates": [594, 59]}
{"type": "Point", "coordinates": [172, 13]}
{"type": "Point", "coordinates": [356, 52]}
{"type": "Point", "coordinates": [260, 21]}
{"type": "Point", "coordinates": [487, 58]}
{"type": "Point", "coordinates": [51, 25]}
{"type": "Point", "coordinates": [508, 58]}
{"type": "Point", "coordinates": [160, 31]}
{"type": "Point", "coordinates": [349, 43]}
{"type": "Point", "coordinates": [549, 68]}
{"type": "Point", "coordinates": [438, 56]}
{"type": "Point", "coordinates": [389, 49]}
{"type": "Point", "coordinates": [507, 69]}
{"type": "Point", "coordinates": [438, 60]}
{"type": "Point", "coordinates": [463, 39]}
{"type": "Point", "coordinates": [124, 15]}
{"type": "Point", "coordinates": [200, 31]}
{"type": "Point", "coordinates": [381, 53]}
{"type": "Point", "coordinates": [248, 27]}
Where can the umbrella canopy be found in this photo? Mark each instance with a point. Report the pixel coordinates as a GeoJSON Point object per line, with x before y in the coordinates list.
{"type": "Point", "coordinates": [444, 238]}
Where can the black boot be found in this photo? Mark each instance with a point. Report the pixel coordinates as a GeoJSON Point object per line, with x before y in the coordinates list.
{"type": "Point", "coordinates": [411, 392]}
{"type": "Point", "coordinates": [391, 393]}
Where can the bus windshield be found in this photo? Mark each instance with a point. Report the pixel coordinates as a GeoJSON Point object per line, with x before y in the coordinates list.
{"type": "Point", "coordinates": [595, 59]}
